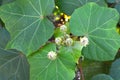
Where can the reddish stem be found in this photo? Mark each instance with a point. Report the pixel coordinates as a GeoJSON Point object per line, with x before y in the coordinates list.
{"type": "Point", "coordinates": [81, 71]}
{"type": "Point", "coordinates": [80, 68]}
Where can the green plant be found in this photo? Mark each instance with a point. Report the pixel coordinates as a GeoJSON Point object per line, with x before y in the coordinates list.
{"type": "Point", "coordinates": [29, 37]}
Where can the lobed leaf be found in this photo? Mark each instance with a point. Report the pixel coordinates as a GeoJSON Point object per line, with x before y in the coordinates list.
{"type": "Point", "coordinates": [43, 68]}
{"type": "Point", "coordinates": [13, 65]}
{"type": "Point", "coordinates": [99, 25]}
{"type": "Point", "coordinates": [27, 23]}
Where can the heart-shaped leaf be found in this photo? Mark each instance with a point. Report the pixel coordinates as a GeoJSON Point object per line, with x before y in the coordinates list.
{"type": "Point", "coordinates": [115, 70]}
{"type": "Point", "coordinates": [68, 6]}
{"type": "Point", "coordinates": [102, 77]}
{"type": "Point", "coordinates": [27, 23]}
{"type": "Point", "coordinates": [4, 37]}
{"type": "Point", "coordinates": [99, 25]}
{"type": "Point", "coordinates": [62, 68]}
{"type": "Point", "coordinates": [13, 65]}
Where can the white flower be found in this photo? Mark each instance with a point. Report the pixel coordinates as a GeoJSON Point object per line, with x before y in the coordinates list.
{"type": "Point", "coordinates": [52, 55]}
{"type": "Point", "coordinates": [58, 40]}
{"type": "Point", "coordinates": [84, 41]}
{"type": "Point", "coordinates": [63, 28]}
{"type": "Point", "coordinates": [69, 41]}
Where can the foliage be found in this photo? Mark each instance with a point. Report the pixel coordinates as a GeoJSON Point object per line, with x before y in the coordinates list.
{"type": "Point", "coordinates": [117, 4]}
{"type": "Point", "coordinates": [68, 6]}
{"type": "Point", "coordinates": [4, 37]}
{"type": "Point", "coordinates": [43, 68]}
{"type": "Point", "coordinates": [102, 77]}
{"type": "Point", "coordinates": [27, 24]}
{"type": "Point", "coordinates": [6, 1]}
{"type": "Point", "coordinates": [28, 35]}
{"type": "Point", "coordinates": [115, 70]}
{"type": "Point", "coordinates": [13, 65]}
{"type": "Point", "coordinates": [100, 32]}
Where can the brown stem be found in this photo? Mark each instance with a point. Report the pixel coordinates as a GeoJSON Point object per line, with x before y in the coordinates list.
{"type": "Point", "coordinates": [82, 75]}
{"type": "Point", "coordinates": [80, 68]}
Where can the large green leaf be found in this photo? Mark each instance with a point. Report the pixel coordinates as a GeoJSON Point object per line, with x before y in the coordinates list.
{"type": "Point", "coordinates": [68, 6]}
{"type": "Point", "coordinates": [115, 70]}
{"type": "Point", "coordinates": [99, 25]}
{"type": "Point", "coordinates": [4, 37]}
{"type": "Point", "coordinates": [27, 23]}
{"type": "Point", "coordinates": [102, 77]}
{"type": "Point", "coordinates": [13, 65]}
{"type": "Point", "coordinates": [62, 68]}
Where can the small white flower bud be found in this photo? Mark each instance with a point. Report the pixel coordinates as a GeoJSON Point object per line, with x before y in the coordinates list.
{"type": "Point", "coordinates": [58, 40]}
{"type": "Point", "coordinates": [69, 41]}
{"type": "Point", "coordinates": [67, 36]}
{"type": "Point", "coordinates": [52, 55]}
{"type": "Point", "coordinates": [84, 41]}
{"type": "Point", "coordinates": [63, 28]}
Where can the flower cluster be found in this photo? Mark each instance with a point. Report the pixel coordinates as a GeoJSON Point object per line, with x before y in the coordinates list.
{"type": "Point", "coordinates": [65, 39]}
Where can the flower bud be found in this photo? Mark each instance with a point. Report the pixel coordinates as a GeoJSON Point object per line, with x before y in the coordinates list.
{"type": "Point", "coordinates": [63, 28]}
{"type": "Point", "coordinates": [58, 40]}
{"type": "Point", "coordinates": [84, 41]}
{"type": "Point", "coordinates": [69, 41]}
{"type": "Point", "coordinates": [67, 36]}
{"type": "Point", "coordinates": [52, 55]}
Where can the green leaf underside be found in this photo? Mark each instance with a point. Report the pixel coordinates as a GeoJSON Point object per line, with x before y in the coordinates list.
{"type": "Point", "coordinates": [43, 68]}
{"type": "Point", "coordinates": [102, 77]}
{"type": "Point", "coordinates": [115, 70]}
{"type": "Point", "coordinates": [98, 24]}
{"type": "Point", "coordinates": [4, 37]}
{"type": "Point", "coordinates": [27, 23]}
{"type": "Point", "coordinates": [13, 65]}
{"type": "Point", "coordinates": [68, 6]}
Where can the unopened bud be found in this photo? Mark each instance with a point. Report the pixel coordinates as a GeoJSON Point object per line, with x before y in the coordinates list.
{"type": "Point", "coordinates": [52, 55]}
{"type": "Point", "coordinates": [67, 36]}
{"type": "Point", "coordinates": [58, 40]}
{"type": "Point", "coordinates": [84, 41]}
{"type": "Point", "coordinates": [69, 41]}
{"type": "Point", "coordinates": [63, 28]}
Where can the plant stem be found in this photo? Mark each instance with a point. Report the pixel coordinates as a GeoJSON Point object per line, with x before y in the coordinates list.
{"type": "Point", "coordinates": [82, 75]}
{"type": "Point", "coordinates": [80, 68]}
